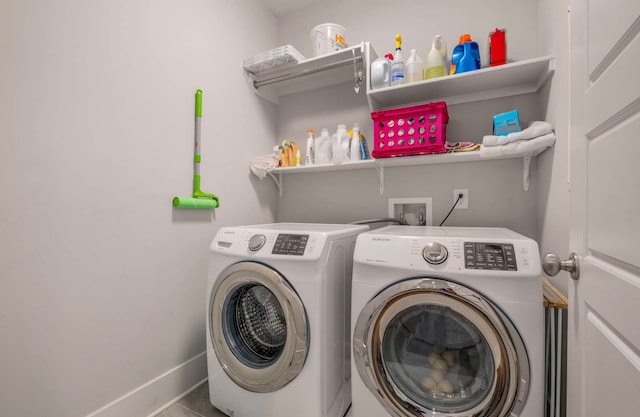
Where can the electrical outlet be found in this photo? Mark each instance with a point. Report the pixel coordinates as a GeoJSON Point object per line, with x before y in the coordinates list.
{"type": "Point", "coordinates": [464, 201]}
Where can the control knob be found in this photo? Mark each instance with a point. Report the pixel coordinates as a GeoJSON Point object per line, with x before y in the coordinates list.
{"type": "Point", "coordinates": [435, 253]}
{"type": "Point", "coordinates": [256, 242]}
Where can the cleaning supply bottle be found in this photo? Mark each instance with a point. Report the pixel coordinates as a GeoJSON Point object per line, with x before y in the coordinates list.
{"type": "Point", "coordinates": [355, 151]}
{"type": "Point", "coordinates": [340, 141]}
{"type": "Point", "coordinates": [441, 45]}
{"type": "Point", "coordinates": [465, 56]}
{"type": "Point", "coordinates": [381, 72]}
{"type": "Point", "coordinates": [364, 148]}
{"type": "Point", "coordinates": [414, 67]}
{"type": "Point", "coordinates": [309, 157]}
{"type": "Point", "coordinates": [397, 66]}
{"type": "Point", "coordinates": [497, 48]}
{"type": "Point", "coordinates": [435, 66]}
{"type": "Point", "coordinates": [324, 148]}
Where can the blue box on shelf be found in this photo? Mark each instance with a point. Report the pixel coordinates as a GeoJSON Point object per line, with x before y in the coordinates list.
{"type": "Point", "coordinates": [506, 123]}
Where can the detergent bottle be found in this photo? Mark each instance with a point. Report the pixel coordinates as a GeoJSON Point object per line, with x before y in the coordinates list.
{"type": "Point", "coordinates": [441, 45]}
{"type": "Point", "coordinates": [381, 72]}
{"type": "Point", "coordinates": [465, 56]}
{"type": "Point", "coordinates": [435, 66]}
{"type": "Point", "coordinates": [340, 142]}
{"type": "Point", "coordinates": [397, 66]}
{"type": "Point", "coordinates": [414, 67]}
{"type": "Point", "coordinates": [324, 148]}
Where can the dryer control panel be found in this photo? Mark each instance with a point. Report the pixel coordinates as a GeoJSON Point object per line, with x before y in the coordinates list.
{"type": "Point", "coordinates": [491, 256]}
{"type": "Point", "coordinates": [290, 244]}
{"type": "Point", "coordinates": [299, 241]}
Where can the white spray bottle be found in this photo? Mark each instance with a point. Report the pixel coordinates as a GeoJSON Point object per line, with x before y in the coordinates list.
{"type": "Point", "coordinates": [397, 66]}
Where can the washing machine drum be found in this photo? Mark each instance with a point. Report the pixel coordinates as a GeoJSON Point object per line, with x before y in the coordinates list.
{"type": "Point", "coordinates": [428, 346]}
{"type": "Point", "coordinates": [258, 327]}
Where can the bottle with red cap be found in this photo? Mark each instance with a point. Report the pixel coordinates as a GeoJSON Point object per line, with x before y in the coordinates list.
{"type": "Point", "coordinates": [497, 48]}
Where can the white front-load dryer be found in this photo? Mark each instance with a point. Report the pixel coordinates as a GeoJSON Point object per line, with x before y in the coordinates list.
{"type": "Point", "coordinates": [447, 322]}
{"type": "Point", "coordinates": [278, 319]}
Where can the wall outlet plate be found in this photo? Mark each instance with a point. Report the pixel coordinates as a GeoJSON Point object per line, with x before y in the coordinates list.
{"type": "Point", "coordinates": [415, 211]}
{"type": "Point", "coordinates": [464, 201]}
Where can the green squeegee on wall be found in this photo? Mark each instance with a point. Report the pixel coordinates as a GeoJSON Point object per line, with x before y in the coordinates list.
{"type": "Point", "coordinates": [198, 199]}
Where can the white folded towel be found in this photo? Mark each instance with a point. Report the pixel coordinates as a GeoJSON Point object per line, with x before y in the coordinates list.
{"type": "Point", "coordinates": [263, 165]}
{"type": "Point", "coordinates": [534, 130]}
{"type": "Point", "coordinates": [520, 146]}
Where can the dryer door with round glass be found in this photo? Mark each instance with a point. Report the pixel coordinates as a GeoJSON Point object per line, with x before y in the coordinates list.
{"type": "Point", "coordinates": [427, 346]}
{"type": "Point", "coordinates": [258, 327]}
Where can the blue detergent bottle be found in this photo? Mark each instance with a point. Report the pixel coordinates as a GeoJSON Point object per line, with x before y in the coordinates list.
{"type": "Point", "coordinates": [465, 56]}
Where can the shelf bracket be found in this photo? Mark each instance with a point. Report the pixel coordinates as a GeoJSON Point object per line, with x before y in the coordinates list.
{"type": "Point", "coordinates": [278, 181]}
{"type": "Point", "coordinates": [525, 174]}
{"type": "Point", "coordinates": [358, 76]}
{"type": "Point", "coordinates": [380, 170]}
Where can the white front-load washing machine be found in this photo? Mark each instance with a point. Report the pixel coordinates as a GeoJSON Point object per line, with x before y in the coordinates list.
{"type": "Point", "coordinates": [447, 322]}
{"type": "Point", "coordinates": [278, 319]}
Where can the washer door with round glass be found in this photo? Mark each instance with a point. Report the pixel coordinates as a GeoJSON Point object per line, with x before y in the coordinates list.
{"type": "Point", "coordinates": [258, 327]}
{"type": "Point", "coordinates": [429, 347]}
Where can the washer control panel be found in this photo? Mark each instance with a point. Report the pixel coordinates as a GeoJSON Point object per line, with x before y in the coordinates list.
{"type": "Point", "coordinates": [290, 244]}
{"type": "Point", "coordinates": [474, 251]}
{"type": "Point", "coordinates": [490, 256]}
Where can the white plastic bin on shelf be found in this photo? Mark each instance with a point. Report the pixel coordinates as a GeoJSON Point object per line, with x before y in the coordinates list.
{"type": "Point", "coordinates": [265, 61]}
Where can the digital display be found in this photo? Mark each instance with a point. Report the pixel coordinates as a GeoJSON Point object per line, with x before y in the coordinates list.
{"type": "Point", "coordinates": [289, 244]}
{"type": "Point", "coordinates": [490, 256]}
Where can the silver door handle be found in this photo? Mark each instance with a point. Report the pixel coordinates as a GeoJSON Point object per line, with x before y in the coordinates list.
{"type": "Point", "coordinates": [551, 265]}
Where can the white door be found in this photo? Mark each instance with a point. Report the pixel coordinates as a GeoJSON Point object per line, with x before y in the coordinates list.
{"type": "Point", "coordinates": [604, 311]}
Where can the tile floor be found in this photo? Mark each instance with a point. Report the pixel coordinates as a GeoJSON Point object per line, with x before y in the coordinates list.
{"type": "Point", "coordinates": [194, 404]}
{"type": "Point", "coordinates": [197, 404]}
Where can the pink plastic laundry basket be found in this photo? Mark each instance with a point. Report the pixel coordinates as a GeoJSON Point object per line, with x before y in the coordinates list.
{"type": "Point", "coordinates": [415, 130]}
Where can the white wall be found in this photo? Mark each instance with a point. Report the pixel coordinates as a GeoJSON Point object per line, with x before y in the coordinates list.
{"type": "Point", "coordinates": [497, 197]}
{"type": "Point", "coordinates": [534, 28]}
{"type": "Point", "coordinates": [418, 22]}
{"type": "Point", "coordinates": [102, 296]}
{"type": "Point", "coordinates": [553, 179]}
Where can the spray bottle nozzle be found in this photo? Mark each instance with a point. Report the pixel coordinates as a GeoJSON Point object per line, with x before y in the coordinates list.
{"type": "Point", "coordinates": [398, 41]}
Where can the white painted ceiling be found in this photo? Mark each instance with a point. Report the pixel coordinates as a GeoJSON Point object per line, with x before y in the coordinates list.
{"type": "Point", "coordinates": [283, 7]}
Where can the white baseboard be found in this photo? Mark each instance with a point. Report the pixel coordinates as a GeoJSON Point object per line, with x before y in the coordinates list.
{"type": "Point", "coordinates": [159, 393]}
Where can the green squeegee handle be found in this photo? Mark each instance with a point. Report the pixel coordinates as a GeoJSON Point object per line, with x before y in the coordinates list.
{"type": "Point", "coordinates": [196, 147]}
{"type": "Point", "coordinates": [199, 103]}
{"type": "Point", "coordinates": [196, 155]}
